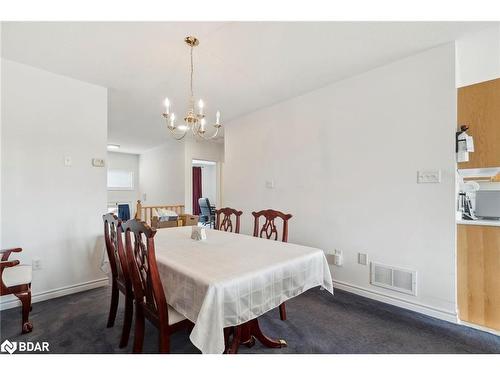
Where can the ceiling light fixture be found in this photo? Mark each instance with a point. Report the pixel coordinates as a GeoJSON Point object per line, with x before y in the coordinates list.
{"type": "Point", "coordinates": [112, 146]}
{"type": "Point", "coordinates": [195, 122]}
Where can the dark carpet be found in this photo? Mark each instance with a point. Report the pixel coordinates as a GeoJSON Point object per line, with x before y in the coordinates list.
{"type": "Point", "coordinates": [317, 323]}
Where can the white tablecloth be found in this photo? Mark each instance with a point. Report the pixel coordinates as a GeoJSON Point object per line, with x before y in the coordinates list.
{"type": "Point", "coordinates": [229, 279]}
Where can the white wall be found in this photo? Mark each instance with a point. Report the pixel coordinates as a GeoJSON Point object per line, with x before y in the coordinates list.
{"type": "Point", "coordinates": [478, 57]}
{"type": "Point", "coordinates": [161, 174]}
{"type": "Point", "coordinates": [209, 182]}
{"type": "Point", "coordinates": [1, 105]}
{"type": "Point", "coordinates": [344, 160]}
{"type": "Point", "coordinates": [53, 212]}
{"type": "Point", "coordinates": [125, 162]}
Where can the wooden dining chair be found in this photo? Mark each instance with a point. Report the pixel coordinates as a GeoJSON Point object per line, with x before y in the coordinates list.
{"type": "Point", "coordinates": [226, 223]}
{"type": "Point", "coordinates": [150, 301]}
{"type": "Point", "coordinates": [270, 231]}
{"type": "Point", "coordinates": [121, 281]}
{"type": "Point", "coordinates": [16, 279]}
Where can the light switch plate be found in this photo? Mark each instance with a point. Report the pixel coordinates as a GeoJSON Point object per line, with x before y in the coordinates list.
{"type": "Point", "coordinates": [429, 177]}
{"type": "Point", "coordinates": [270, 184]}
{"type": "Point", "coordinates": [67, 161]}
{"type": "Point", "coordinates": [36, 264]}
{"type": "Point", "coordinates": [362, 259]}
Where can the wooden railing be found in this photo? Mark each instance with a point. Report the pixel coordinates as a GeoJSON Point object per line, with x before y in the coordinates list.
{"type": "Point", "coordinates": [146, 213]}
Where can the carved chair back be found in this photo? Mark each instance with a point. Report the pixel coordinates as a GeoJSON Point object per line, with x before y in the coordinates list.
{"type": "Point", "coordinates": [114, 247]}
{"type": "Point", "coordinates": [226, 223]}
{"type": "Point", "coordinates": [148, 289]}
{"type": "Point", "coordinates": [269, 229]}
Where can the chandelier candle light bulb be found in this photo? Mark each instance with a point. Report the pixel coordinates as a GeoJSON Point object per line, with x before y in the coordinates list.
{"type": "Point", "coordinates": [217, 118]}
{"type": "Point", "coordinates": [172, 119]}
{"type": "Point", "coordinates": [193, 122]}
{"type": "Point", "coordinates": [200, 107]}
{"type": "Point", "coordinates": [167, 105]}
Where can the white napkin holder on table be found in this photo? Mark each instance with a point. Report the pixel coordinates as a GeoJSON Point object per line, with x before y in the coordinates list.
{"type": "Point", "coordinates": [198, 233]}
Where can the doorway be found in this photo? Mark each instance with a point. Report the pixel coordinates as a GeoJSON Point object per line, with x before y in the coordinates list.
{"type": "Point", "coordinates": [204, 183]}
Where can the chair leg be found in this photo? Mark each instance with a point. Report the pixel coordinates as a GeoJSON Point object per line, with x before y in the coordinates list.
{"type": "Point", "coordinates": [164, 340]}
{"type": "Point", "coordinates": [282, 311]}
{"type": "Point", "coordinates": [227, 333]}
{"type": "Point", "coordinates": [139, 329]}
{"type": "Point", "coordinates": [25, 298]}
{"type": "Point", "coordinates": [127, 323]}
{"type": "Point", "coordinates": [115, 293]}
{"type": "Point", "coordinates": [235, 344]}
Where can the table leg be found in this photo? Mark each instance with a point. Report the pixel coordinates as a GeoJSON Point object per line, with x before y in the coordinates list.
{"type": "Point", "coordinates": [264, 340]}
{"type": "Point", "coordinates": [246, 334]}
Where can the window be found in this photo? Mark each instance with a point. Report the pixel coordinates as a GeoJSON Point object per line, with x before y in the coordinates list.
{"type": "Point", "coordinates": [120, 179]}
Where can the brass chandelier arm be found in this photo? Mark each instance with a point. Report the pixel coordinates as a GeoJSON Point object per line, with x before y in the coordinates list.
{"type": "Point", "coordinates": [202, 135]}
{"type": "Point", "coordinates": [198, 133]}
{"type": "Point", "coordinates": [175, 135]}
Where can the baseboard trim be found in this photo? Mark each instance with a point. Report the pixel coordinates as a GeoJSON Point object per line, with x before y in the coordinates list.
{"type": "Point", "coordinates": [54, 293]}
{"type": "Point", "coordinates": [480, 328]}
{"type": "Point", "coordinates": [449, 316]}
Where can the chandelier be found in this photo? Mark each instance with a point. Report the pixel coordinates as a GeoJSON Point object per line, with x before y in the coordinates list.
{"type": "Point", "coordinates": [193, 121]}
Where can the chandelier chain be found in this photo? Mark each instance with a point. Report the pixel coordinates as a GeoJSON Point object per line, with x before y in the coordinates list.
{"type": "Point", "coordinates": [192, 73]}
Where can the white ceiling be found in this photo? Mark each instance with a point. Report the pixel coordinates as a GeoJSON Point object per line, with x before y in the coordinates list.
{"type": "Point", "coordinates": [239, 66]}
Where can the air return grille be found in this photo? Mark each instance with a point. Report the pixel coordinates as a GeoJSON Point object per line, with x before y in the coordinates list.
{"type": "Point", "coordinates": [398, 279]}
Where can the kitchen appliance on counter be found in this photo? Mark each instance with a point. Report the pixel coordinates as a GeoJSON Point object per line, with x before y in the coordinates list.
{"type": "Point", "coordinates": [465, 206]}
{"type": "Point", "coordinates": [467, 192]}
{"type": "Point", "coordinates": [488, 204]}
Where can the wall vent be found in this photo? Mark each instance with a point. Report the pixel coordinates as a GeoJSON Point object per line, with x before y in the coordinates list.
{"type": "Point", "coordinates": [394, 278]}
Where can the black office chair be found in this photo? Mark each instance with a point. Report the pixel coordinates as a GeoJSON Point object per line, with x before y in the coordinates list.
{"type": "Point", "coordinates": [207, 212]}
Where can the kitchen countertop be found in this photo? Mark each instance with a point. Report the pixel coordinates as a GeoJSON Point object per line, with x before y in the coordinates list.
{"type": "Point", "coordinates": [492, 223]}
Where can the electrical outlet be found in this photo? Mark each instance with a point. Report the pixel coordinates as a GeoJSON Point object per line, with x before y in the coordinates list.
{"type": "Point", "coordinates": [362, 259]}
{"type": "Point", "coordinates": [338, 258]}
{"type": "Point", "coordinates": [36, 264]}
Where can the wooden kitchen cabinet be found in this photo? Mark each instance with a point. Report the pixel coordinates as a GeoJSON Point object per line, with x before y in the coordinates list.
{"type": "Point", "coordinates": [479, 108]}
{"type": "Point", "coordinates": [478, 274]}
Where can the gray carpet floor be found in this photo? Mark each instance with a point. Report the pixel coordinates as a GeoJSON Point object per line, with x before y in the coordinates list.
{"type": "Point", "coordinates": [317, 323]}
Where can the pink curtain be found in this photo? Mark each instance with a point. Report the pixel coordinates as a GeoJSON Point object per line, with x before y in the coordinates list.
{"type": "Point", "coordinates": [196, 189]}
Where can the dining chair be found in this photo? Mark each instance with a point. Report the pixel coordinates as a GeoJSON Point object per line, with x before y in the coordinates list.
{"type": "Point", "coordinates": [226, 223]}
{"type": "Point", "coordinates": [269, 230]}
{"type": "Point", "coordinates": [150, 301]}
{"type": "Point", "coordinates": [15, 279]}
{"type": "Point", "coordinates": [120, 276]}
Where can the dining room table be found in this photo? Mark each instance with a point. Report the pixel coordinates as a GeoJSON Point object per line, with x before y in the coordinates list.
{"type": "Point", "coordinates": [225, 282]}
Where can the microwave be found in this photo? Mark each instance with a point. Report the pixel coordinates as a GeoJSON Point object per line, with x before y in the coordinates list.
{"type": "Point", "coordinates": [488, 204]}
